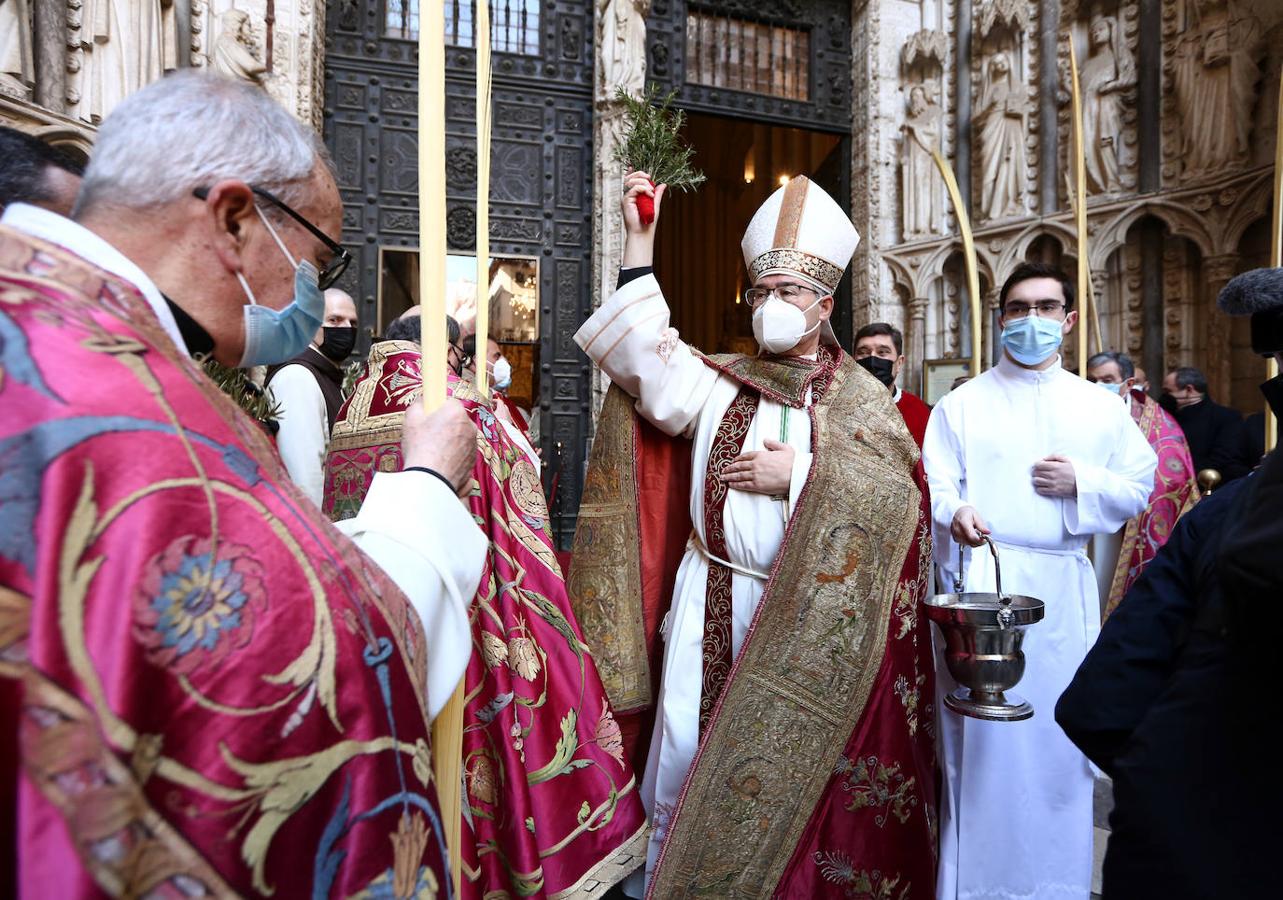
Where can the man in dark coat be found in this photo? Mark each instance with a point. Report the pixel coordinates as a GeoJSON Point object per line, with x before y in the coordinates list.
{"type": "Point", "coordinates": [1173, 701]}
{"type": "Point", "coordinates": [1214, 432]}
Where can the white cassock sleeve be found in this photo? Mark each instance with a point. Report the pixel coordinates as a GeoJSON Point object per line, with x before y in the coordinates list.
{"type": "Point", "coordinates": [942, 460]}
{"type": "Point", "coordinates": [1110, 494]}
{"type": "Point", "coordinates": [630, 339]}
{"type": "Point", "coordinates": [304, 428]}
{"type": "Point", "coordinates": [425, 540]}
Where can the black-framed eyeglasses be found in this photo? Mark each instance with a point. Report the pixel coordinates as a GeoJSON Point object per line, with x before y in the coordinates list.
{"type": "Point", "coordinates": [1018, 309]}
{"type": "Point", "coordinates": [340, 257]}
{"type": "Point", "coordinates": [786, 292]}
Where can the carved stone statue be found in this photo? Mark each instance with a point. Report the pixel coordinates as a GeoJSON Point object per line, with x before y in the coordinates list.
{"type": "Point", "coordinates": [131, 43]}
{"type": "Point", "coordinates": [1107, 73]}
{"type": "Point", "coordinates": [1001, 119]}
{"type": "Point", "coordinates": [236, 52]}
{"type": "Point", "coordinates": [1216, 72]}
{"type": "Point", "coordinates": [921, 188]}
{"type": "Point", "coordinates": [17, 68]}
{"type": "Point", "coordinates": [623, 47]}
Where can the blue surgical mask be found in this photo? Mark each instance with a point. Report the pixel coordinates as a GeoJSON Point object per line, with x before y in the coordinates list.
{"type": "Point", "coordinates": [1112, 388]}
{"type": "Point", "coordinates": [275, 335]}
{"type": "Point", "coordinates": [1032, 339]}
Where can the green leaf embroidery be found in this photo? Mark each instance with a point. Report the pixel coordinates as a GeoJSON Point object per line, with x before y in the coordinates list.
{"type": "Point", "coordinates": [566, 746]}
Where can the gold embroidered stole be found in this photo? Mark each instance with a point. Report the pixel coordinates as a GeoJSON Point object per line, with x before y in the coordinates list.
{"type": "Point", "coordinates": [605, 582]}
{"type": "Point", "coordinates": [802, 681]}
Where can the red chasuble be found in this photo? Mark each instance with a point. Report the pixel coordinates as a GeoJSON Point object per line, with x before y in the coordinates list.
{"type": "Point", "coordinates": [815, 775]}
{"type": "Point", "coordinates": [551, 804]}
{"type": "Point", "coordinates": [208, 689]}
{"type": "Point", "coordinates": [916, 413]}
{"type": "Point", "coordinates": [1175, 492]}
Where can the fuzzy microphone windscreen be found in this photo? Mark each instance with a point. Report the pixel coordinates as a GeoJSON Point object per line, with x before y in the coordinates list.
{"type": "Point", "coordinates": [1259, 290]}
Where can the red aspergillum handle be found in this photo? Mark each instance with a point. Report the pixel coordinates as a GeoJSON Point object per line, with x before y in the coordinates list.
{"type": "Point", "coordinates": [646, 207]}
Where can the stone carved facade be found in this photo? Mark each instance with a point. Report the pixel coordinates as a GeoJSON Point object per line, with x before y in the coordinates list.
{"type": "Point", "coordinates": [111, 48]}
{"type": "Point", "coordinates": [1206, 196]}
{"type": "Point", "coordinates": [1216, 67]}
{"type": "Point", "coordinates": [1107, 79]}
{"type": "Point", "coordinates": [17, 61]}
{"type": "Point", "coordinates": [921, 189]}
{"type": "Point", "coordinates": [236, 53]}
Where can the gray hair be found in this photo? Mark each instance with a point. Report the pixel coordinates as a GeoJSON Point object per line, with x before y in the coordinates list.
{"type": "Point", "coordinates": [1126, 368]}
{"type": "Point", "coordinates": [190, 130]}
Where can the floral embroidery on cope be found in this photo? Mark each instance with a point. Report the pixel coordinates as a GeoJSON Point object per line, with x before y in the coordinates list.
{"type": "Point", "coordinates": [873, 785]}
{"type": "Point", "coordinates": [909, 697]}
{"type": "Point", "coordinates": [195, 607]}
{"type": "Point", "coordinates": [608, 735]}
{"type": "Point", "coordinates": [668, 341]}
{"type": "Point", "coordinates": [860, 884]}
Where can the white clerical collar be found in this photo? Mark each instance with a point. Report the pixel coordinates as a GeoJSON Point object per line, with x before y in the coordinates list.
{"type": "Point", "coordinates": [1009, 368]}
{"type": "Point", "coordinates": [895, 393]}
{"type": "Point", "coordinates": [49, 226]}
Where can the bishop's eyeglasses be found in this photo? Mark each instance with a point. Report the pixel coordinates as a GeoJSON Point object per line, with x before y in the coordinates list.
{"type": "Point", "coordinates": [786, 292]}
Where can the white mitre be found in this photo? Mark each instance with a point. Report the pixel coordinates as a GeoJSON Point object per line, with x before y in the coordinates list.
{"type": "Point", "coordinates": [801, 231]}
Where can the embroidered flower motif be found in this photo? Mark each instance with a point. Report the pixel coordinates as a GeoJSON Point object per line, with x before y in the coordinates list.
{"type": "Point", "coordinates": [668, 342]}
{"type": "Point", "coordinates": [481, 780]}
{"type": "Point", "coordinates": [882, 788]}
{"type": "Point", "coordinates": [407, 852]}
{"type": "Point", "coordinates": [493, 650]}
{"type": "Point", "coordinates": [909, 695]}
{"type": "Point", "coordinates": [661, 820]}
{"type": "Point", "coordinates": [609, 737]}
{"type": "Point", "coordinates": [859, 884]}
{"type": "Point", "coordinates": [523, 659]}
{"type": "Point", "coordinates": [195, 605]}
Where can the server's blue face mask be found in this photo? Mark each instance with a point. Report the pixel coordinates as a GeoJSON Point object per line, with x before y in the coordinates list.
{"type": "Point", "coordinates": [1032, 339]}
{"type": "Point", "coordinates": [275, 335]}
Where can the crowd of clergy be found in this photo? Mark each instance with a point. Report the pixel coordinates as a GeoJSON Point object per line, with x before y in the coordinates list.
{"type": "Point", "coordinates": [223, 641]}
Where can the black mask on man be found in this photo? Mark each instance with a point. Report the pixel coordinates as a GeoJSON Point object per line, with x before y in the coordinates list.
{"type": "Point", "coordinates": [881, 369]}
{"type": "Point", "coordinates": [338, 342]}
{"type": "Point", "coordinates": [1168, 402]}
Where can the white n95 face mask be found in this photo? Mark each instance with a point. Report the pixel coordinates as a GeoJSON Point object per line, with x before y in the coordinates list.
{"type": "Point", "coordinates": [779, 325]}
{"type": "Point", "coordinates": [502, 374]}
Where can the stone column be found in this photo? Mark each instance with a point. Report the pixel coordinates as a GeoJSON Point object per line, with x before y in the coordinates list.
{"type": "Point", "coordinates": [620, 26]}
{"type": "Point", "coordinates": [49, 22]}
{"type": "Point", "coordinates": [1099, 283]}
{"type": "Point", "coordinates": [1217, 270]}
{"type": "Point", "coordinates": [990, 335]}
{"type": "Point", "coordinates": [915, 339]}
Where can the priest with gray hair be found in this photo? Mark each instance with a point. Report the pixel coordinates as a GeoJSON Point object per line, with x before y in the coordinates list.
{"type": "Point", "coordinates": [209, 681]}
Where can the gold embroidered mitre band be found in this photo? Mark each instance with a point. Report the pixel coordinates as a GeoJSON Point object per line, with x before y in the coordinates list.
{"type": "Point", "coordinates": [800, 230]}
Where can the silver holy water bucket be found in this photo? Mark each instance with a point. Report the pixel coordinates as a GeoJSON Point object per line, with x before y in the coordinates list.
{"type": "Point", "coordinates": [982, 637]}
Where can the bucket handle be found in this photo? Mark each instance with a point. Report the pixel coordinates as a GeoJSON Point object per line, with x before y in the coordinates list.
{"type": "Point", "coordinates": [997, 573]}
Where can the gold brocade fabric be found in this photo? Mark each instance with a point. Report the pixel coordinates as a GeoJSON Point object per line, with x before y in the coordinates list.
{"type": "Point", "coordinates": [605, 580]}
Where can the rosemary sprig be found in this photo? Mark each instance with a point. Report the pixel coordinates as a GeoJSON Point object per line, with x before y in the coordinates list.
{"type": "Point", "coordinates": [652, 142]}
{"type": "Point", "coordinates": [236, 384]}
